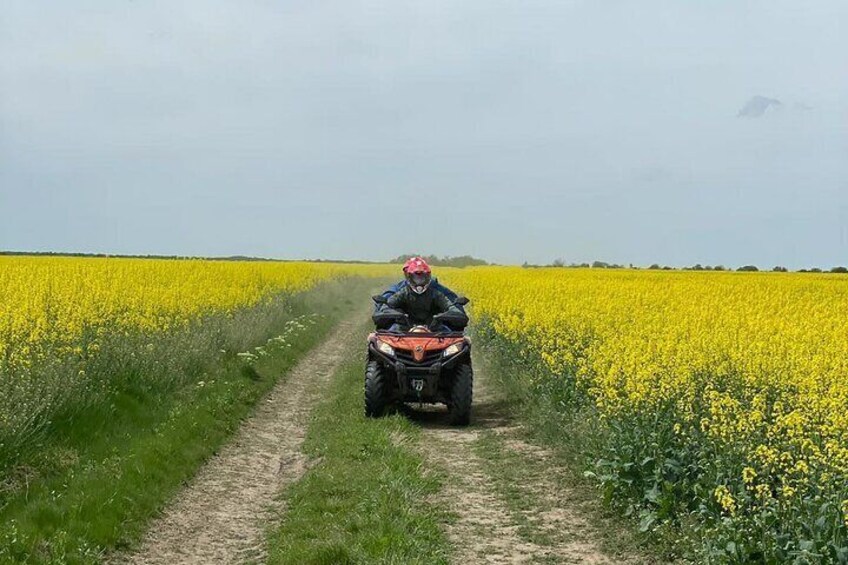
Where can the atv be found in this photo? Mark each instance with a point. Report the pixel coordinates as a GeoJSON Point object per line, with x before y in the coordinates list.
{"type": "Point", "coordinates": [423, 364]}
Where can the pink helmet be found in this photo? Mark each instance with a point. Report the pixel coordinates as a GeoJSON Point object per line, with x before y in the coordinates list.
{"type": "Point", "coordinates": [418, 274]}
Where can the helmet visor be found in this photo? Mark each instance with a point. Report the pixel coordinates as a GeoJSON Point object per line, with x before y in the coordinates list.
{"type": "Point", "coordinates": [419, 281]}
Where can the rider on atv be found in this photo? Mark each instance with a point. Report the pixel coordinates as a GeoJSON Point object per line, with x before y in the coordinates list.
{"type": "Point", "coordinates": [452, 296]}
{"type": "Point", "coordinates": [421, 298]}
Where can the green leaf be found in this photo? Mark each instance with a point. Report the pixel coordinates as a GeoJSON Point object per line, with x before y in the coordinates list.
{"type": "Point", "coordinates": [806, 545]}
{"type": "Point", "coordinates": [653, 494]}
{"type": "Point", "coordinates": [647, 521]}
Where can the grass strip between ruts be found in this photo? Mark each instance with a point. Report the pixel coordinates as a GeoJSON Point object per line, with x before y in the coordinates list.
{"type": "Point", "coordinates": [368, 498]}
{"type": "Point", "coordinates": [130, 457]}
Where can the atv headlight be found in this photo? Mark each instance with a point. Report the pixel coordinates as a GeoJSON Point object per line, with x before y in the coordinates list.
{"type": "Point", "coordinates": [385, 348]}
{"type": "Point", "coordinates": [452, 350]}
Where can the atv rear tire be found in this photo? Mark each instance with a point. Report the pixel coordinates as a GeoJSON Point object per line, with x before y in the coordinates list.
{"type": "Point", "coordinates": [461, 395]}
{"type": "Point", "coordinates": [375, 390]}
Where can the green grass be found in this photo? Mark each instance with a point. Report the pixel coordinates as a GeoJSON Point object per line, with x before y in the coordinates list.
{"type": "Point", "coordinates": [509, 473]}
{"type": "Point", "coordinates": [555, 417]}
{"type": "Point", "coordinates": [101, 474]}
{"type": "Point", "coordinates": [368, 500]}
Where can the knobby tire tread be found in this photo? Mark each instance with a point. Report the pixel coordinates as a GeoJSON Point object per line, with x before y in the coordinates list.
{"type": "Point", "coordinates": [375, 394]}
{"type": "Point", "coordinates": [462, 392]}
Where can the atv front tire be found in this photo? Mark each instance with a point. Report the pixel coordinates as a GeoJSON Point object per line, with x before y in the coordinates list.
{"type": "Point", "coordinates": [375, 390]}
{"type": "Point", "coordinates": [461, 394]}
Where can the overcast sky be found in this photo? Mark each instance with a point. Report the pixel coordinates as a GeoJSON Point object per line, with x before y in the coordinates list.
{"type": "Point", "coordinates": [353, 129]}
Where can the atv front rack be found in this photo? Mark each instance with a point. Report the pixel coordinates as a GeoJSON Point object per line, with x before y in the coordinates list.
{"type": "Point", "coordinates": [420, 334]}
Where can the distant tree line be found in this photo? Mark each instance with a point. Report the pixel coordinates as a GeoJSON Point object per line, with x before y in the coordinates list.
{"type": "Point", "coordinates": [559, 263]}
{"type": "Point", "coordinates": [129, 256]}
{"type": "Point", "coordinates": [594, 265]}
{"type": "Point", "coordinates": [246, 258]}
{"type": "Point", "coordinates": [446, 261]}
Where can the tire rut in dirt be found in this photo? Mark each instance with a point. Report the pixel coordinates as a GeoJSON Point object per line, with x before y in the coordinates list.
{"type": "Point", "coordinates": [486, 529]}
{"type": "Point", "coordinates": [221, 515]}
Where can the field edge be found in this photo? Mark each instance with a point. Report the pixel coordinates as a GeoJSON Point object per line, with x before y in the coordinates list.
{"type": "Point", "coordinates": [115, 479]}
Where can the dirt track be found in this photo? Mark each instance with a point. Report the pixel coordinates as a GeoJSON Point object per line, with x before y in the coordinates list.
{"type": "Point", "coordinates": [534, 519]}
{"type": "Point", "coordinates": [526, 517]}
{"type": "Point", "coordinates": [220, 516]}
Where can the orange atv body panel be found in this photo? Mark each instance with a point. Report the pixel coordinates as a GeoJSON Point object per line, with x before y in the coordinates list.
{"type": "Point", "coordinates": [419, 346]}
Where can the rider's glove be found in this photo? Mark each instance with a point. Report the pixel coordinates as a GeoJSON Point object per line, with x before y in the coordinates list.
{"type": "Point", "coordinates": [435, 322]}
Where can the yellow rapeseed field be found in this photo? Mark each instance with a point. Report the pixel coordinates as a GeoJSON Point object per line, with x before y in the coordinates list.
{"type": "Point", "coordinates": [49, 302]}
{"type": "Point", "coordinates": [750, 367]}
{"type": "Point", "coordinates": [75, 330]}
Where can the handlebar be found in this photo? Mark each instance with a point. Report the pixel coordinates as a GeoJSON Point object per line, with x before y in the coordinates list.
{"type": "Point", "coordinates": [421, 334]}
{"type": "Point", "coordinates": [386, 316]}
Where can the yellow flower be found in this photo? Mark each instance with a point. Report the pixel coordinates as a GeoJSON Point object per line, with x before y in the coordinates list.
{"type": "Point", "coordinates": [636, 342]}
{"type": "Point", "coordinates": [725, 499]}
{"type": "Point", "coordinates": [54, 306]}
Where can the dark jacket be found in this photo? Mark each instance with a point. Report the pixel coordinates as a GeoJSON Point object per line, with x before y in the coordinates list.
{"type": "Point", "coordinates": [422, 307]}
{"type": "Point", "coordinates": [452, 296]}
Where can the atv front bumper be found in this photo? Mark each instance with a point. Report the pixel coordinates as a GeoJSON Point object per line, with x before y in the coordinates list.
{"type": "Point", "coordinates": [419, 382]}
